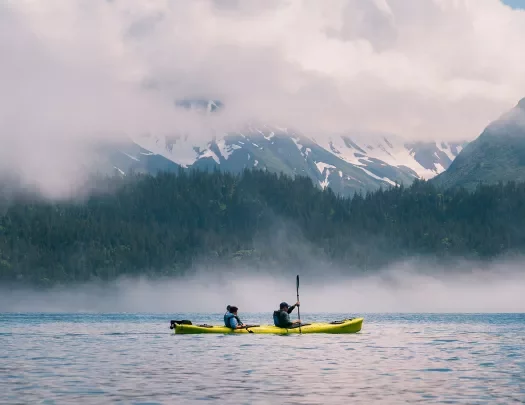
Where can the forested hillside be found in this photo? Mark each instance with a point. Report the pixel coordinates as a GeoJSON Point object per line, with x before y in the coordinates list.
{"type": "Point", "coordinates": [169, 223]}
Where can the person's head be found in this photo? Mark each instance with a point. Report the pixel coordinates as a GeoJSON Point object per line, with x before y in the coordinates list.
{"type": "Point", "coordinates": [233, 309]}
{"type": "Point", "coordinates": [284, 306]}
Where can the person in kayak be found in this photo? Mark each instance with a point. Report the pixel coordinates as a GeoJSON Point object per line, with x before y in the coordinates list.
{"type": "Point", "coordinates": [231, 320]}
{"type": "Point", "coordinates": [281, 318]}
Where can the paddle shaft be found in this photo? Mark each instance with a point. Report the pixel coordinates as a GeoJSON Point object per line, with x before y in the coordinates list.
{"type": "Point", "coordinates": [298, 308]}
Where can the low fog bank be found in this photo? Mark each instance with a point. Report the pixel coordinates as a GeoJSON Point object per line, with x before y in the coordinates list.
{"type": "Point", "coordinates": [404, 287]}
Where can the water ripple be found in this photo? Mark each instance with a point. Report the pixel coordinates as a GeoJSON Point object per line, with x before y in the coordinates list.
{"type": "Point", "coordinates": [133, 358]}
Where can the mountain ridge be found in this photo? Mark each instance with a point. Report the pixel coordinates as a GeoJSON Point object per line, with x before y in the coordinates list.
{"type": "Point", "coordinates": [497, 155]}
{"type": "Point", "coordinates": [348, 164]}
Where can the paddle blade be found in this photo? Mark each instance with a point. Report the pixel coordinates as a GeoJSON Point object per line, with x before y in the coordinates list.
{"type": "Point", "coordinates": [297, 282]}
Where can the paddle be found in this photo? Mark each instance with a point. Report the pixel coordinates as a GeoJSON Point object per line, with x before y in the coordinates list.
{"type": "Point", "coordinates": [246, 326]}
{"type": "Point", "coordinates": [298, 309]}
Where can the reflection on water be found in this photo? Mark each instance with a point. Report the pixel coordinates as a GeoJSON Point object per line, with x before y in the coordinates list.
{"type": "Point", "coordinates": [95, 359]}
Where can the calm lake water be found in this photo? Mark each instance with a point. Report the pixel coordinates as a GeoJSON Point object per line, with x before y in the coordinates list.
{"type": "Point", "coordinates": [135, 359]}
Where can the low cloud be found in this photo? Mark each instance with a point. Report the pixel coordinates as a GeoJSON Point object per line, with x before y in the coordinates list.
{"type": "Point", "coordinates": [404, 287]}
{"type": "Point", "coordinates": [76, 73]}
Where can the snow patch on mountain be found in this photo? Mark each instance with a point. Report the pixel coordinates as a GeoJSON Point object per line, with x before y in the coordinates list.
{"type": "Point", "coordinates": [226, 149]}
{"type": "Point", "coordinates": [323, 166]}
{"type": "Point", "coordinates": [269, 137]}
{"type": "Point", "coordinates": [361, 150]}
{"type": "Point", "coordinates": [131, 157]}
{"type": "Point", "coordinates": [393, 183]}
{"type": "Point", "coordinates": [179, 149]}
{"type": "Point", "coordinates": [119, 170]}
{"type": "Point", "coordinates": [325, 182]}
{"type": "Point", "coordinates": [348, 162]}
{"type": "Point", "coordinates": [445, 149]}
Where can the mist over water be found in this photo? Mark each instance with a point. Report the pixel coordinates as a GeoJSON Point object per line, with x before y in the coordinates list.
{"type": "Point", "coordinates": [74, 357]}
{"type": "Point", "coordinates": [404, 287]}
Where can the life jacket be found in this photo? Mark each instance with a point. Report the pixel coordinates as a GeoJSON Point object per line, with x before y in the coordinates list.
{"type": "Point", "coordinates": [277, 319]}
{"type": "Point", "coordinates": [227, 319]}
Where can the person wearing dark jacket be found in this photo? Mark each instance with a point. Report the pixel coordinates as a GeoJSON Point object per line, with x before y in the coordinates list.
{"type": "Point", "coordinates": [281, 318]}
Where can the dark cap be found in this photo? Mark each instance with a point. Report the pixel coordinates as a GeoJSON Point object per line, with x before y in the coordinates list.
{"type": "Point", "coordinates": [284, 305]}
{"type": "Point", "coordinates": [233, 308]}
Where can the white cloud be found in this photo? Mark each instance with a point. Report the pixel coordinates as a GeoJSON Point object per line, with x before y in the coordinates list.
{"type": "Point", "coordinates": [74, 72]}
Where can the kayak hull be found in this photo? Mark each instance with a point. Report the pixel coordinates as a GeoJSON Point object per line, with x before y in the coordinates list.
{"type": "Point", "coordinates": [347, 326]}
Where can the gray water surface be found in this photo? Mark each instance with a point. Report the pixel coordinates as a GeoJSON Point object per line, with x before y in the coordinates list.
{"type": "Point", "coordinates": [135, 359]}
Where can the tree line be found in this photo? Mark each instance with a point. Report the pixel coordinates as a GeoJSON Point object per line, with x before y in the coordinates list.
{"type": "Point", "coordinates": [171, 223]}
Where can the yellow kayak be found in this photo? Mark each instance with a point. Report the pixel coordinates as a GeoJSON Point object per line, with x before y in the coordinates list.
{"type": "Point", "coordinates": [352, 325]}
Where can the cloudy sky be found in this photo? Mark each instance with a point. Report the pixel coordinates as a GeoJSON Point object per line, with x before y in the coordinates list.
{"type": "Point", "coordinates": [75, 72]}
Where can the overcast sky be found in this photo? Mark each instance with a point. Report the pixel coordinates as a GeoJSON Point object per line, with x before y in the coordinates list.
{"type": "Point", "coordinates": [75, 72]}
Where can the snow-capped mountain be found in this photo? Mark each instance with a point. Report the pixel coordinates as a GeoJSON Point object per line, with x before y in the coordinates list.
{"type": "Point", "coordinates": [346, 163]}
